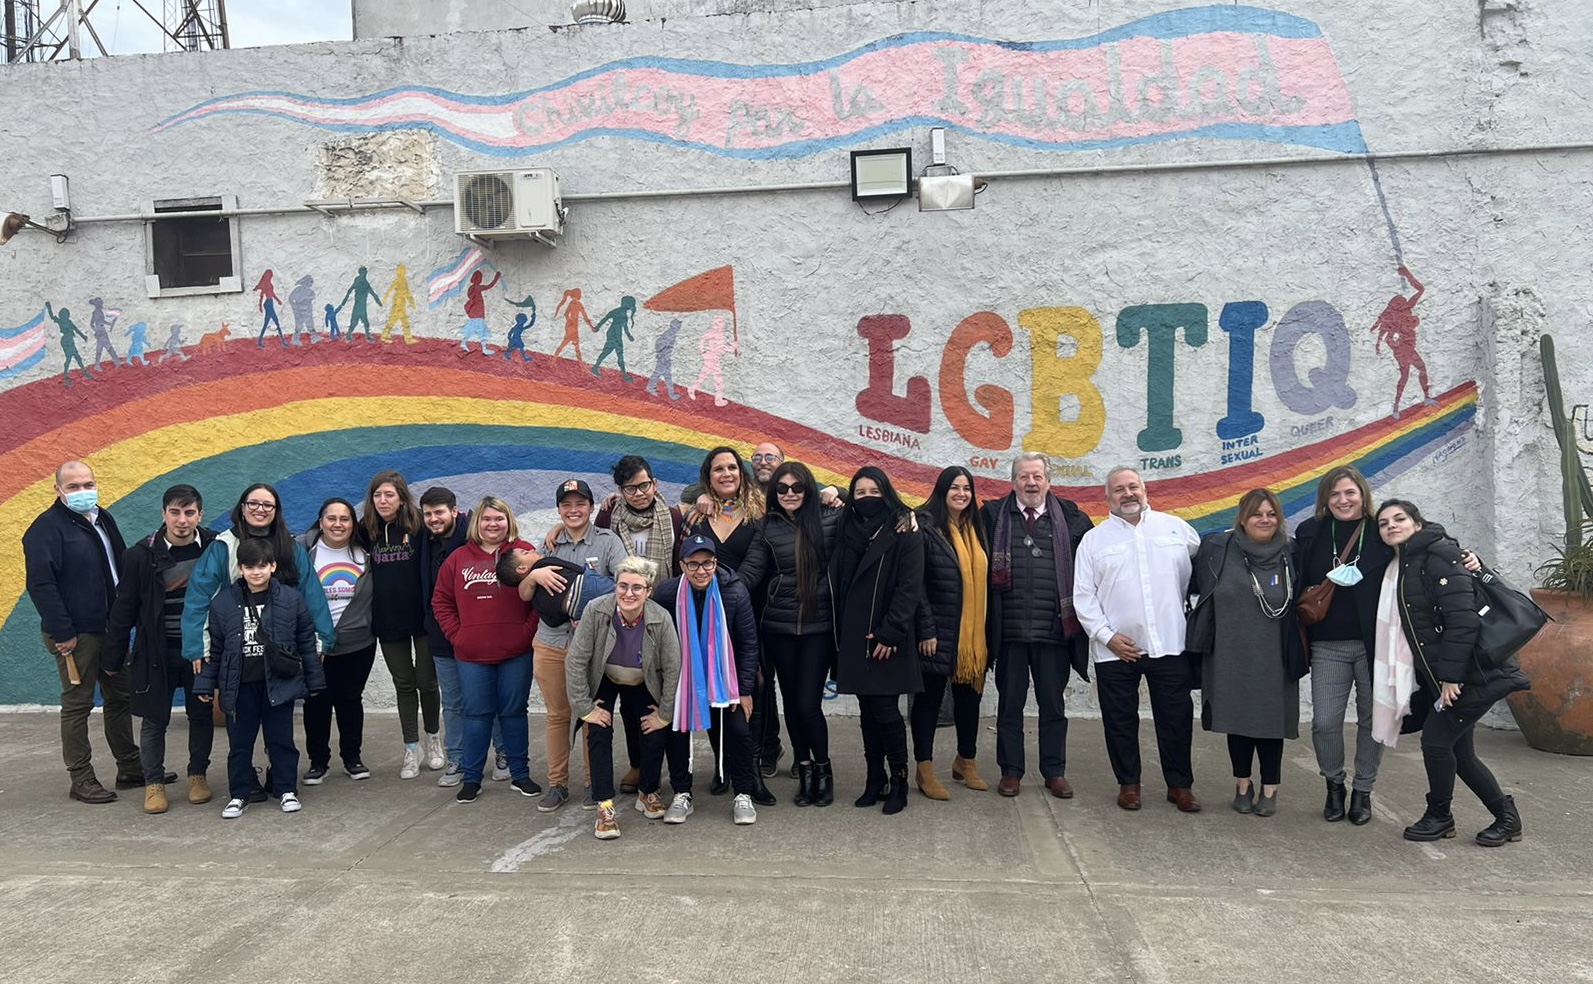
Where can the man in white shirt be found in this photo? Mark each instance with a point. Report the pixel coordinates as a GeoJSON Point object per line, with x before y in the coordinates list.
{"type": "Point", "coordinates": [1130, 579]}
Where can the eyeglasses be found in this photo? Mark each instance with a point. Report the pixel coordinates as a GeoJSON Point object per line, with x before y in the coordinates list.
{"type": "Point", "coordinates": [765, 457]}
{"type": "Point", "coordinates": [698, 566]}
{"type": "Point", "coordinates": [789, 488]}
{"type": "Point", "coordinates": [626, 589]}
{"type": "Point", "coordinates": [638, 488]}
{"type": "Point", "coordinates": [1034, 551]}
{"type": "Point", "coordinates": [253, 506]}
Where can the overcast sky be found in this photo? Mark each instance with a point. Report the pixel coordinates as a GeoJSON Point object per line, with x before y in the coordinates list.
{"type": "Point", "coordinates": [251, 23]}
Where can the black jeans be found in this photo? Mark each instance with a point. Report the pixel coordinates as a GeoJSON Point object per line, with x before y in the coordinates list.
{"type": "Point", "coordinates": [631, 704]}
{"type": "Point", "coordinates": [1047, 663]}
{"type": "Point", "coordinates": [252, 715]}
{"type": "Point", "coordinates": [802, 664]}
{"type": "Point", "coordinates": [884, 732]}
{"type": "Point", "coordinates": [1242, 749]}
{"type": "Point", "coordinates": [1448, 750]}
{"type": "Point", "coordinates": [201, 724]}
{"type": "Point", "coordinates": [346, 674]}
{"type": "Point", "coordinates": [1117, 686]}
{"type": "Point", "coordinates": [735, 757]}
{"type": "Point", "coordinates": [925, 715]}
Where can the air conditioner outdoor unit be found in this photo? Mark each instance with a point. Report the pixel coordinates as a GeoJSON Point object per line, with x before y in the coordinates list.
{"type": "Point", "coordinates": [522, 204]}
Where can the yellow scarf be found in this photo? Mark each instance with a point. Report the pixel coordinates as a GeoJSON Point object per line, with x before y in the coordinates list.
{"type": "Point", "coordinates": [972, 650]}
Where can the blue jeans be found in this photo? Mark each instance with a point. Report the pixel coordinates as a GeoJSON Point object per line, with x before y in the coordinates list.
{"type": "Point", "coordinates": [496, 691]}
{"type": "Point", "coordinates": [453, 710]}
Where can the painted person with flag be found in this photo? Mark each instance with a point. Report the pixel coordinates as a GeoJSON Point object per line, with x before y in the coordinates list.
{"type": "Point", "coordinates": [718, 673]}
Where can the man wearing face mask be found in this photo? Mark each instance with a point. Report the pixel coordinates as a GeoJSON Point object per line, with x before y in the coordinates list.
{"type": "Point", "coordinates": [1030, 623]}
{"type": "Point", "coordinates": [73, 552]}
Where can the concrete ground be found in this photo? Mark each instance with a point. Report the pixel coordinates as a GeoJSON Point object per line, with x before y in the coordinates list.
{"type": "Point", "coordinates": [389, 881]}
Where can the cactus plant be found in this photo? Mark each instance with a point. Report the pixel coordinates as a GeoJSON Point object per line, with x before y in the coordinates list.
{"type": "Point", "coordinates": [1571, 569]}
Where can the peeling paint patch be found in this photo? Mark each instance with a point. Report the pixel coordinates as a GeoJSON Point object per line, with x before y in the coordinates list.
{"type": "Point", "coordinates": [389, 164]}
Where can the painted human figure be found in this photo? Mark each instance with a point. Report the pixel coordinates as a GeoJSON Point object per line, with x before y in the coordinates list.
{"type": "Point", "coordinates": [398, 300]}
{"type": "Point", "coordinates": [712, 345]}
{"type": "Point", "coordinates": [476, 312]}
{"type": "Point", "coordinates": [360, 291]}
{"type": "Point", "coordinates": [101, 326]}
{"type": "Point", "coordinates": [517, 336]}
{"type": "Point", "coordinates": [330, 319]}
{"type": "Point", "coordinates": [618, 322]}
{"type": "Point", "coordinates": [139, 344]}
{"type": "Point", "coordinates": [301, 301]}
{"type": "Point", "coordinates": [269, 300]}
{"type": "Point", "coordinates": [1397, 326]}
{"type": "Point", "coordinates": [664, 360]}
{"type": "Point", "coordinates": [69, 336]}
{"type": "Point", "coordinates": [174, 346]}
{"type": "Point", "coordinates": [574, 313]}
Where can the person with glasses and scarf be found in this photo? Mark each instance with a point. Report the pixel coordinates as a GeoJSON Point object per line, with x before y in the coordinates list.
{"type": "Point", "coordinates": [878, 573]}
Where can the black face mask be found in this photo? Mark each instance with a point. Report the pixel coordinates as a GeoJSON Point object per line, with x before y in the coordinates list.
{"type": "Point", "coordinates": [868, 508]}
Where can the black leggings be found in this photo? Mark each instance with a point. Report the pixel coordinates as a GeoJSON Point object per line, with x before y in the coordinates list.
{"type": "Point", "coordinates": [1242, 748]}
{"type": "Point", "coordinates": [1448, 751]}
{"type": "Point", "coordinates": [346, 674]}
{"type": "Point", "coordinates": [925, 715]}
{"type": "Point", "coordinates": [802, 664]}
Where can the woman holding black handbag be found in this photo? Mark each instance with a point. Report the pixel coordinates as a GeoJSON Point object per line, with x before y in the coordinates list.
{"type": "Point", "coordinates": [1339, 545]}
{"type": "Point", "coordinates": [1250, 687]}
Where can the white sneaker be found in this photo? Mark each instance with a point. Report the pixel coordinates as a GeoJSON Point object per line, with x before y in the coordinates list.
{"type": "Point", "coordinates": [500, 768]}
{"type": "Point", "coordinates": [290, 803]}
{"type": "Point", "coordinates": [411, 766]}
{"type": "Point", "coordinates": [234, 809]}
{"type": "Point", "coordinates": [679, 808]}
{"type": "Point", "coordinates": [435, 757]}
{"type": "Point", "coordinates": [452, 776]}
{"type": "Point", "coordinates": [742, 812]}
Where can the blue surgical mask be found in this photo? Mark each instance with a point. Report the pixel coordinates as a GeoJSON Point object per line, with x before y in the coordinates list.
{"type": "Point", "coordinates": [83, 501]}
{"type": "Point", "coordinates": [1345, 575]}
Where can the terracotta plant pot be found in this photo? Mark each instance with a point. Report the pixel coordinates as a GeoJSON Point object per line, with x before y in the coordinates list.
{"type": "Point", "coordinates": [1556, 715]}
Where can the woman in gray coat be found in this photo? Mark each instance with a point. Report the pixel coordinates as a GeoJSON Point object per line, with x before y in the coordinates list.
{"type": "Point", "coordinates": [1250, 686]}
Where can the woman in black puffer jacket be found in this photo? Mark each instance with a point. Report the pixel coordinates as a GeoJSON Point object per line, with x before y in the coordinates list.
{"type": "Point", "coordinates": [952, 646]}
{"type": "Point", "coordinates": [787, 567]}
{"type": "Point", "coordinates": [1428, 592]}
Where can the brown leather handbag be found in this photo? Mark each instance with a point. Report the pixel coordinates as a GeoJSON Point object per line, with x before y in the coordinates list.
{"type": "Point", "coordinates": [1315, 600]}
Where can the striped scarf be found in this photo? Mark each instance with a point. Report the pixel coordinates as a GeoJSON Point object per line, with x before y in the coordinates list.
{"type": "Point", "coordinates": [707, 660]}
{"type": "Point", "coordinates": [659, 526]}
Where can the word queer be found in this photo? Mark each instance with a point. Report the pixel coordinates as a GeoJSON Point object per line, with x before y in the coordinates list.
{"type": "Point", "coordinates": [986, 418]}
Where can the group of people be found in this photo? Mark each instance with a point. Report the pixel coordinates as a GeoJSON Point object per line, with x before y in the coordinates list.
{"type": "Point", "coordinates": [665, 620]}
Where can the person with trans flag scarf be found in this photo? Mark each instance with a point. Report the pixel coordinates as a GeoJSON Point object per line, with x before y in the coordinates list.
{"type": "Point", "coordinates": [718, 673]}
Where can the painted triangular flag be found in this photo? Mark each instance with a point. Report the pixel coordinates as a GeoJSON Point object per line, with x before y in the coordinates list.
{"type": "Point", "coordinates": [711, 290]}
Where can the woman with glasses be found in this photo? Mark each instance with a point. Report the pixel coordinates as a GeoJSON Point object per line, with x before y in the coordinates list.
{"type": "Point", "coordinates": [787, 568]}
{"type": "Point", "coordinates": [877, 571]}
{"type": "Point", "coordinates": [1339, 544]}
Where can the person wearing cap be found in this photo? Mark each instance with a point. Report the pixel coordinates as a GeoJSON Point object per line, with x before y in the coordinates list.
{"type": "Point", "coordinates": [599, 551]}
{"type": "Point", "coordinates": [718, 674]}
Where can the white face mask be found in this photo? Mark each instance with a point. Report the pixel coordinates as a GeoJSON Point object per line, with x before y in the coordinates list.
{"type": "Point", "coordinates": [1345, 575]}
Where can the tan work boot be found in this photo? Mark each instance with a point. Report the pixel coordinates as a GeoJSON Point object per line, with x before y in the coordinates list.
{"type": "Point", "coordinates": [198, 790]}
{"type": "Point", "coordinates": [967, 773]}
{"type": "Point", "coordinates": [155, 798]}
{"type": "Point", "coordinates": [928, 784]}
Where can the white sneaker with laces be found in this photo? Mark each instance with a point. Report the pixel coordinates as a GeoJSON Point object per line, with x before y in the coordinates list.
{"type": "Point", "coordinates": [290, 803]}
{"type": "Point", "coordinates": [742, 812]}
{"type": "Point", "coordinates": [500, 768]}
{"type": "Point", "coordinates": [679, 808]}
{"type": "Point", "coordinates": [234, 809]}
{"type": "Point", "coordinates": [411, 766]}
{"type": "Point", "coordinates": [435, 757]}
{"type": "Point", "coordinates": [452, 776]}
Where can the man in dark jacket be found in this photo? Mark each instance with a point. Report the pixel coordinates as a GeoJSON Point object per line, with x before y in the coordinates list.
{"type": "Point", "coordinates": [72, 553]}
{"type": "Point", "coordinates": [1030, 623]}
{"type": "Point", "coordinates": [149, 599]}
{"type": "Point", "coordinates": [445, 532]}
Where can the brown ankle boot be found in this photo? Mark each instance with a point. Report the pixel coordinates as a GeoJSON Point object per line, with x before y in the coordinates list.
{"type": "Point", "coordinates": [198, 790]}
{"type": "Point", "coordinates": [928, 784]}
{"type": "Point", "coordinates": [155, 798]}
{"type": "Point", "coordinates": [964, 771]}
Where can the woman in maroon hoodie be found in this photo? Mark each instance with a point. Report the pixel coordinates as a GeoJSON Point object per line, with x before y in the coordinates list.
{"type": "Point", "coordinates": [490, 629]}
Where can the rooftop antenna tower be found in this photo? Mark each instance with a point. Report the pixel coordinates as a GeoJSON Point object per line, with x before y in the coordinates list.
{"type": "Point", "coordinates": [52, 30]}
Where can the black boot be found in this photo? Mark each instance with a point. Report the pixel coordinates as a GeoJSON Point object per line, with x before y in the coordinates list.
{"type": "Point", "coordinates": [896, 799]}
{"type": "Point", "coordinates": [1435, 824]}
{"type": "Point", "coordinates": [760, 792]}
{"type": "Point", "coordinates": [804, 793]}
{"type": "Point", "coordinates": [823, 784]}
{"type": "Point", "coordinates": [1333, 809]}
{"type": "Point", "coordinates": [894, 737]}
{"type": "Point", "coordinates": [1360, 812]}
{"type": "Point", "coordinates": [1506, 826]}
{"type": "Point", "coordinates": [874, 785]}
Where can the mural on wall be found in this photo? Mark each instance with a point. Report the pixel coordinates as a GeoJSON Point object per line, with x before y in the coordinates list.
{"type": "Point", "coordinates": [1220, 71]}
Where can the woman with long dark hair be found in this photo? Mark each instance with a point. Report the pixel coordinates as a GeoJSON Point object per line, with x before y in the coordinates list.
{"type": "Point", "coordinates": [392, 528]}
{"type": "Point", "coordinates": [340, 557]}
{"type": "Point", "coordinates": [787, 568]}
{"type": "Point", "coordinates": [956, 588]}
{"type": "Point", "coordinates": [878, 574]}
